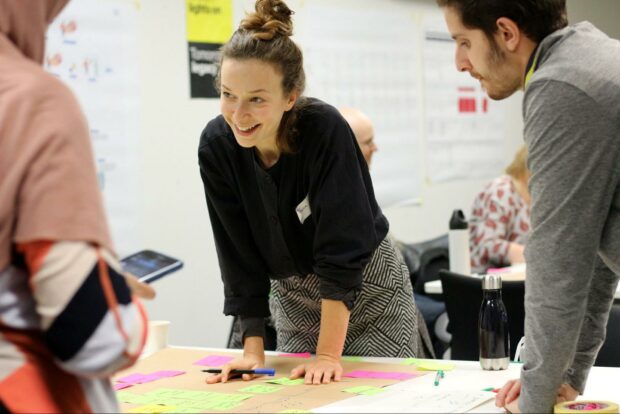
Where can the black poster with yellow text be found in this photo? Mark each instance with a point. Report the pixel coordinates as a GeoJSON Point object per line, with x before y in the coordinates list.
{"type": "Point", "coordinates": [209, 26]}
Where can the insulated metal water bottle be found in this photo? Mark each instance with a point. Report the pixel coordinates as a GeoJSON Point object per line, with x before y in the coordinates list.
{"type": "Point", "coordinates": [458, 244]}
{"type": "Point", "coordinates": [493, 335]}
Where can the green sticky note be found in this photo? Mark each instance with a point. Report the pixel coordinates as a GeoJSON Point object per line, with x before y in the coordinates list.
{"type": "Point", "coordinates": [222, 405]}
{"type": "Point", "coordinates": [194, 395]}
{"type": "Point", "coordinates": [220, 396]}
{"type": "Point", "coordinates": [238, 397]}
{"type": "Point", "coordinates": [286, 381]}
{"type": "Point", "coordinates": [364, 390]}
{"type": "Point", "coordinates": [187, 410]}
{"type": "Point", "coordinates": [153, 409]}
{"type": "Point", "coordinates": [198, 406]}
{"type": "Point", "coordinates": [131, 398]}
{"type": "Point", "coordinates": [261, 389]}
{"type": "Point", "coordinates": [428, 364]}
{"type": "Point", "coordinates": [164, 393]}
{"type": "Point", "coordinates": [163, 400]}
{"type": "Point", "coordinates": [353, 358]}
{"type": "Point", "coordinates": [163, 396]}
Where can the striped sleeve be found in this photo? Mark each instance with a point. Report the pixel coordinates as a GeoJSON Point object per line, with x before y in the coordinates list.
{"type": "Point", "coordinates": [91, 323]}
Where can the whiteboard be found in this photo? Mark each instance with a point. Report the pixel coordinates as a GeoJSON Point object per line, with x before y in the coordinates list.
{"type": "Point", "coordinates": [383, 57]}
{"type": "Point", "coordinates": [464, 128]}
{"type": "Point", "coordinates": [367, 57]}
{"type": "Point", "coordinates": [365, 54]}
{"type": "Point", "coordinates": [92, 46]}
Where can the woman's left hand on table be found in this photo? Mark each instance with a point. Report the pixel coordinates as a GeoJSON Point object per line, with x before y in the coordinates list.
{"type": "Point", "coordinates": [321, 371]}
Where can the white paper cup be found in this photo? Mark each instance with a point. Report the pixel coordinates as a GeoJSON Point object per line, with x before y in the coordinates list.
{"type": "Point", "coordinates": [157, 338]}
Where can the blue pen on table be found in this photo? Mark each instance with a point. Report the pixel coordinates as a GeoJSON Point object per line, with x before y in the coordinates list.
{"type": "Point", "coordinates": [440, 374]}
{"type": "Point", "coordinates": [257, 371]}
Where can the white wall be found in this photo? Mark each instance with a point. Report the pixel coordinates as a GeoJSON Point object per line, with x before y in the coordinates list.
{"type": "Point", "coordinates": [174, 217]}
{"type": "Point", "coordinates": [174, 213]}
{"type": "Point", "coordinates": [605, 14]}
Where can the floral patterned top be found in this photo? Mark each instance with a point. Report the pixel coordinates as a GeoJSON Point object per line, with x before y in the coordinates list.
{"type": "Point", "coordinates": [499, 216]}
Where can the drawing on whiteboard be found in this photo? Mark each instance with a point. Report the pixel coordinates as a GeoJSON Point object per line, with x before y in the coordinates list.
{"type": "Point", "coordinates": [92, 47]}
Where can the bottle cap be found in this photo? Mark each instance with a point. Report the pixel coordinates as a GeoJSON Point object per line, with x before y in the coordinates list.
{"type": "Point", "coordinates": [491, 282]}
{"type": "Point", "coordinates": [457, 221]}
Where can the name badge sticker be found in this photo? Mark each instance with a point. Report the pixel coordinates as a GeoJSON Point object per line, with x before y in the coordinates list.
{"type": "Point", "coordinates": [303, 210]}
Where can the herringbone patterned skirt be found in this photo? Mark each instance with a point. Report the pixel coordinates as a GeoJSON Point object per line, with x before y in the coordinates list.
{"type": "Point", "coordinates": [384, 322]}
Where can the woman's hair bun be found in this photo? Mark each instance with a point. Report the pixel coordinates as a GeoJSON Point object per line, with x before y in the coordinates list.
{"type": "Point", "coordinates": [272, 18]}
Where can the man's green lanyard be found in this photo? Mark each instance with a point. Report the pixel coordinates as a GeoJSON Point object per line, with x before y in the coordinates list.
{"type": "Point", "coordinates": [530, 72]}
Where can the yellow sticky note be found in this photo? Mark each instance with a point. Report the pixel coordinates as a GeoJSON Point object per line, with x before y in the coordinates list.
{"type": "Point", "coordinates": [209, 21]}
{"type": "Point", "coordinates": [429, 364]}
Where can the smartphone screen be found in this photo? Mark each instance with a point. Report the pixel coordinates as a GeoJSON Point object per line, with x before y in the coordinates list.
{"type": "Point", "coordinates": [149, 265]}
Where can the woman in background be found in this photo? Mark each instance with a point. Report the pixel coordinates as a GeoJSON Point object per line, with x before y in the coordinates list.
{"type": "Point", "coordinates": [500, 218]}
{"type": "Point", "coordinates": [293, 212]}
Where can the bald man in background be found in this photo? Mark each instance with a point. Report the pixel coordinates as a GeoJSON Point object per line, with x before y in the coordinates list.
{"type": "Point", "coordinates": [363, 131]}
{"type": "Point", "coordinates": [365, 135]}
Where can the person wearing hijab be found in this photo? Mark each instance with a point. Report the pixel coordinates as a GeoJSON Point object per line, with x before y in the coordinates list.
{"type": "Point", "coordinates": [68, 319]}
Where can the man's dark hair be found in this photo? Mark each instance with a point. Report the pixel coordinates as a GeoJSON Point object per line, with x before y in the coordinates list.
{"type": "Point", "coordinates": [536, 18]}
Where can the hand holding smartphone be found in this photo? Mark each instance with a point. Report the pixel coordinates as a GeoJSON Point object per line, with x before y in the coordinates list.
{"type": "Point", "coordinates": [149, 265]}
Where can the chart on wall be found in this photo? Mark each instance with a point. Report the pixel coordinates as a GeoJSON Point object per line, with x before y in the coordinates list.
{"type": "Point", "coordinates": [92, 46]}
{"type": "Point", "coordinates": [464, 129]}
{"type": "Point", "coordinates": [367, 57]}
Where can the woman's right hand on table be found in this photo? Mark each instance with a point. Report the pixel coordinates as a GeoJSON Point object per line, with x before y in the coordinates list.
{"type": "Point", "coordinates": [250, 360]}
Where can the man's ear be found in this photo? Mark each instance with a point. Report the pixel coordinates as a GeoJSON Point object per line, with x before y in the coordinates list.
{"type": "Point", "coordinates": [508, 33]}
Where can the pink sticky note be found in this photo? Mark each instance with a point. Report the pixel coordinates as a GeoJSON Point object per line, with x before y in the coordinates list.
{"type": "Point", "coordinates": [380, 375]}
{"type": "Point", "coordinates": [146, 378]}
{"type": "Point", "coordinates": [214, 360]}
{"type": "Point", "coordinates": [132, 379]}
{"type": "Point", "coordinates": [121, 385]}
{"type": "Point", "coordinates": [496, 270]}
{"type": "Point", "coordinates": [297, 355]}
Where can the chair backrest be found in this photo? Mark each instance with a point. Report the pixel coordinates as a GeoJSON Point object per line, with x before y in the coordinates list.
{"type": "Point", "coordinates": [609, 354]}
{"type": "Point", "coordinates": [425, 260]}
{"type": "Point", "coordinates": [463, 297]}
{"type": "Point", "coordinates": [411, 256]}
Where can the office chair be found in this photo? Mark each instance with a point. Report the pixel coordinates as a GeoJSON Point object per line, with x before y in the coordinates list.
{"type": "Point", "coordinates": [609, 354]}
{"type": "Point", "coordinates": [463, 297]}
{"type": "Point", "coordinates": [425, 260]}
